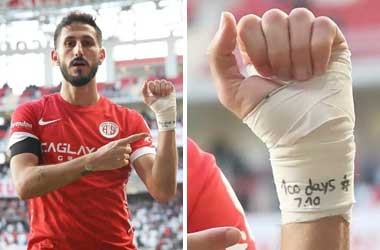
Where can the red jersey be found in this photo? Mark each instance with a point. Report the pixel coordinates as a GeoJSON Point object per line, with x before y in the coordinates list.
{"type": "Point", "coordinates": [211, 202]}
{"type": "Point", "coordinates": [91, 212]}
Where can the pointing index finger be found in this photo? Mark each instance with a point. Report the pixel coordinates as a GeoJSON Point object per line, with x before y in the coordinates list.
{"type": "Point", "coordinates": [132, 138]}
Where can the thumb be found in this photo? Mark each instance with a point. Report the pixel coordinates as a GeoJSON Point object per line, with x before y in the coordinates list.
{"type": "Point", "coordinates": [132, 138]}
{"type": "Point", "coordinates": [145, 90]}
{"type": "Point", "coordinates": [223, 66]}
{"type": "Point", "coordinates": [213, 239]}
{"type": "Point", "coordinates": [224, 41]}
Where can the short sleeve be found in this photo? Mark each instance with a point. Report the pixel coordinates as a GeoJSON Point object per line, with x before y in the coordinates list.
{"type": "Point", "coordinates": [24, 124]}
{"type": "Point", "coordinates": [143, 146]}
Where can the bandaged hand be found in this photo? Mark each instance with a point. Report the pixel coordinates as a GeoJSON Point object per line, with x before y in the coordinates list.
{"type": "Point", "coordinates": [160, 96]}
{"type": "Point", "coordinates": [300, 105]}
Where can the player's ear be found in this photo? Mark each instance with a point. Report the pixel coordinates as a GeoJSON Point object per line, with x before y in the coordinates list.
{"type": "Point", "coordinates": [102, 55]}
{"type": "Point", "coordinates": [54, 57]}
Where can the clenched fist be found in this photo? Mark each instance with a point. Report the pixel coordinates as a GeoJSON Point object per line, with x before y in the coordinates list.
{"type": "Point", "coordinates": [297, 46]}
{"type": "Point", "coordinates": [153, 90]}
{"type": "Point", "coordinates": [159, 95]}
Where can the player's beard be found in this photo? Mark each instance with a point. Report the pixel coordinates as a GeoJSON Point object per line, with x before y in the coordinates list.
{"type": "Point", "coordinates": [81, 79]}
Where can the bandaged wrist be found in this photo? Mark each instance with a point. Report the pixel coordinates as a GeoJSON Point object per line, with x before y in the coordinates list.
{"type": "Point", "coordinates": [308, 129]}
{"type": "Point", "coordinates": [165, 109]}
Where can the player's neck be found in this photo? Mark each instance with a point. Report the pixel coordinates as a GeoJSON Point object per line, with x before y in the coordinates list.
{"type": "Point", "coordinates": [81, 96]}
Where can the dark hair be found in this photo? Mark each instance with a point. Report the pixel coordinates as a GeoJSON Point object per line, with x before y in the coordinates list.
{"type": "Point", "coordinates": [77, 17]}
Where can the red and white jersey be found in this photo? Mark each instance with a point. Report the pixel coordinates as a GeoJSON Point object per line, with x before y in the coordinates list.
{"type": "Point", "coordinates": [92, 212]}
{"type": "Point", "coordinates": [211, 201]}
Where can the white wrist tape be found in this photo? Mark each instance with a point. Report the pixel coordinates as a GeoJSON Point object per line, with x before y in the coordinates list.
{"type": "Point", "coordinates": [308, 128]}
{"type": "Point", "coordinates": [165, 109]}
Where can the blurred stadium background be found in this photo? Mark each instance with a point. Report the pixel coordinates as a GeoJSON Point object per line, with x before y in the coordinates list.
{"type": "Point", "coordinates": [244, 159]}
{"type": "Point", "coordinates": [143, 40]}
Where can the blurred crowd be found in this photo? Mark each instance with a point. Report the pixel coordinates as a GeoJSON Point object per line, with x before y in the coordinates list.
{"type": "Point", "coordinates": [13, 223]}
{"type": "Point", "coordinates": [4, 171]}
{"type": "Point", "coordinates": [157, 226]}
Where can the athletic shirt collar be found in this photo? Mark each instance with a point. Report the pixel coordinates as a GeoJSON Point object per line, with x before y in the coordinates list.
{"type": "Point", "coordinates": [94, 107]}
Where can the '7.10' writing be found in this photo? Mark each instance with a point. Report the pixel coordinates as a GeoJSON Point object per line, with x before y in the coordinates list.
{"type": "Point", "coordinates": [313, 190]}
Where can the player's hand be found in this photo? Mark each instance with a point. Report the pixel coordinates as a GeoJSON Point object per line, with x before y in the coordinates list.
{"type": "Point", "coordinates": [114, 154]}
{"type": "Point", "coordinates": [219, 238]}
{"type": "Point", "coordinates": [297, 46]}
{"type": "Point", "coordinates": [159, 95]}
{"type": "Point", "coordinates": [153, 90]}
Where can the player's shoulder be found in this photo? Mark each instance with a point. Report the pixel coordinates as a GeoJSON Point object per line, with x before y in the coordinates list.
{"type": "Point", "coordinates": [192, 148]}
{"type": "Point", "coordinates": [198, 158]}
{"type": "Point", "coordinates": [33, 105]}
{"type": "Point", "coordinates": [27, 114]}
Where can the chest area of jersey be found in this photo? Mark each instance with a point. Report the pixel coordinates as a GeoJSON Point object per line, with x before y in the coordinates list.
{"type": "Point", "coordinates": [65, 137]}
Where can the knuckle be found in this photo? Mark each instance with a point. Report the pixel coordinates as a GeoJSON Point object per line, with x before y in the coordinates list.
{"type": "Point", "coordinates": [274, 16]}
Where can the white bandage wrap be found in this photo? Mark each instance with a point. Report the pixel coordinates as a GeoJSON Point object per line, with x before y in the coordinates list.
{"type": "Point", "coordinates": [165, 109]}
{"type": "Point", "coordinates": [308, 128]}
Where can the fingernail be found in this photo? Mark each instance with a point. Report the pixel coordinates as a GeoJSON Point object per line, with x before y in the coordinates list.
{"type": "Point", "coordinates": [243, 235]}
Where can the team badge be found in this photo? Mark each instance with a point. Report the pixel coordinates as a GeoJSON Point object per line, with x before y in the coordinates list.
{"type": "Point", "coordinates": [108, 129]}
{"type": "Point", "coordinates": [148, 139]}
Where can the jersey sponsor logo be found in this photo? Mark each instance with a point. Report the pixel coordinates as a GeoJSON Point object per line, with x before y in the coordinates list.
{"type": "Point", "coordinates": [21, 124]}
{"type": "Point", "coordinates": [66, 148]}
{"type": "Point", "coordinates": [108, 129]}
{"type": "Point", "coordinates": [41, 122]}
